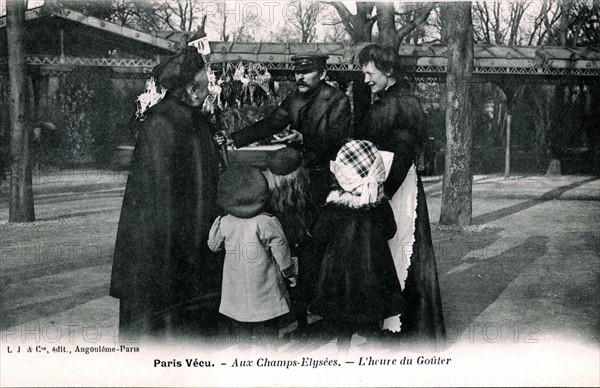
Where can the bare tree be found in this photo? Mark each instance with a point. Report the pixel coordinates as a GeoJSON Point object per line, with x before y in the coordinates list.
{"type": "Point", "coordinates": [390, 35]}
{"type": "Point", "coordinates": [359, 25]}
{"type": "Point", "coordinates": [414, 18]}
{"type": "Point", "coordinates": [301, 18]}
{"type": "Point", "coordinates": [583, 23]}
{"type": "Point", "coordinates": [517, 10]}
{"type": "Point", "coordinates": [566, 23]}
{"type": "Point", "coordinates": [482, 23]}
{"type": "Point", "coordinates": [458, 175]}
{"type": "Point", "coordinates": [565, 9]}
{"type": "Point", "coordinates": [219, 19]}
{"type": "Point", "coordinates": [223, 23]}
{"type": "Point", "coordinates": [138, 14]}
{"type": "Point", "coordinates": [392, 30]}
{"type": "Point", "coordinates": [233, 23]}
{"type": "Point", "coordinates": [541, 98]}
{"type": "Point", "coordinates": [501, 23]}
{"type": "Point", "coordinates": [544, 23]}
{"type": "Point", "coordinates": [180, 15]}
{"type": "Point", "coordinates": [21, 207]}
{"type": "Point", "coordinates": [336, 33]}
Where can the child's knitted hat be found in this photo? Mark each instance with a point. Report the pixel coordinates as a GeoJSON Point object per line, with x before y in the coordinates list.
{"type": "Point", "coordinates": [360, 170]}
{"type": "Point", "coordinates": [243, 191]}
{"type": "Point", "coordinates": [284, 161]}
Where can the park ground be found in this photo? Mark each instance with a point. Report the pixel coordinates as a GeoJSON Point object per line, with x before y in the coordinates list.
{"type": "Point", "coordinates": [526, 272]}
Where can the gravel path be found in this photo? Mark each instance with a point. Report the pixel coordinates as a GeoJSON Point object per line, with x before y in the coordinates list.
{"type": "Point", "coordinates": [527, 270]}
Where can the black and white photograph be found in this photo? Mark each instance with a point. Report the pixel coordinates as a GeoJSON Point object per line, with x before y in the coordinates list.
{"type": "Point", "coordinates": [299, 193]}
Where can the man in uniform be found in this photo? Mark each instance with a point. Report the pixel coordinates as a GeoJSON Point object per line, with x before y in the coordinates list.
{"type": "Point", "coordinates": [319, 119]}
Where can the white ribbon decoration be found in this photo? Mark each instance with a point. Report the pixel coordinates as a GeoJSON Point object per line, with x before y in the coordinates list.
{"type": "Point", "coordinates": [388, 158]}
{"type": "Point", "coordinates": [152, 96]}
{"type": "Point", "coordinates": [202, 45]}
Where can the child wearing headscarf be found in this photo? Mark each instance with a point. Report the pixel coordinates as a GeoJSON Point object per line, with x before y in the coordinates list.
{"type": "Point", "coordinates": [257, 258]}
{"type": "Point", "coordinates": [357, 286]}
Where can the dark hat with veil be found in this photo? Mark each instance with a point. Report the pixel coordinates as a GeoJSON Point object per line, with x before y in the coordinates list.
{"type": "Point", "coordinates": [179, 69]}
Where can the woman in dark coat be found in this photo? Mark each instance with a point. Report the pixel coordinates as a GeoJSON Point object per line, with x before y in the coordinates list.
{"type": "Point", "coordinates": [166, 278]}
{"type": "Point", "coordinates": [396, 123]}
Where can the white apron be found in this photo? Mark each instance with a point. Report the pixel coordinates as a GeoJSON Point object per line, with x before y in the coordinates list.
{"type": "Point", "coordinates": [404, 205]}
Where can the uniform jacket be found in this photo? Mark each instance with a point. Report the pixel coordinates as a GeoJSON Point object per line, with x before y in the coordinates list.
{"type": "Point", "coordinates": [322, 115]}
{"type": "Point", "coordinates": [256, 254]}
{"type": "Point", "coordinates": [357, 281]}
{"type": "Point", "coordinates": [161, 260]}
{"type": "Point", "coordinates": [396, 123]}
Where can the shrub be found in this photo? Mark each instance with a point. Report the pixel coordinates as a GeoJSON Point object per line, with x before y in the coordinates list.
{"type": "Point", "coordinates": [87, 133]}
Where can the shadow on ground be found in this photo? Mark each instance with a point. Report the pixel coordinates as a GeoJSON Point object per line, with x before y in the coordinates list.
{"type": "Point", "coordinates": [548, 196]}
{"type": "Point", "coordinates": [468, 292]}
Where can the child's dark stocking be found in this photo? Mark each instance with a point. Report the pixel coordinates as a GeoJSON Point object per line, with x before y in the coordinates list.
{"type": "Point", "coordinates": [372, 335]}
{"type": "Point", "coordinates": [345, 331]}
{"type": "Point", "coordinates": [298, 302]}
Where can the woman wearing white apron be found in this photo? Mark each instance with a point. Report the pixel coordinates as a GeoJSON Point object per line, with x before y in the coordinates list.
{"type": "Point", "coordinates": [396, 123]}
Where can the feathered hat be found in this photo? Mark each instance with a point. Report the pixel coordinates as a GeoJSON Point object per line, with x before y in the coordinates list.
{"type": "Point", "coordinates": [177, 70]}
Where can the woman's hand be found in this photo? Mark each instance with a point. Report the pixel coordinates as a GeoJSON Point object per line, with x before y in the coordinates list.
{"type": "Point", "coordinates": [293, 281]}
{"type": "Point", "coordinates": [222, 139]}
{"type": "Point", "coordinates": [294, 137]}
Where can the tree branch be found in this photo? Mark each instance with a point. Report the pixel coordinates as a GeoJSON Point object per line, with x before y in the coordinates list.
{"type": "Point", "coordinates": [358, 26]}
{"type": "Point", "coordinates": [346, 17]}
{"type": "Point", "coordinates": [416, 22]}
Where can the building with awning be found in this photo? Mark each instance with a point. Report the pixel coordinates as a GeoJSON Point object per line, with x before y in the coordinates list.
{"type": "Point", "coordinates": [59, 41]}
{"type": "Point", "coordinates": [428, 62]}
{"type": "Point", "coordinates": [62, 37]}
{"type": "Point", "coordinates": [61, 44]}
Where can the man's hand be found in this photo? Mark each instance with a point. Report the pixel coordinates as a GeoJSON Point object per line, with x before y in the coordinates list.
{"type": "Point", "coordinates": [294, 137]}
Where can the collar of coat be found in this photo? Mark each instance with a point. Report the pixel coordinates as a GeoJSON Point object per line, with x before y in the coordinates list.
{"type": "Point", "coordinates": [344, 198]}
{"type": "Point", "coordinates": [182, 116]}
{"type": "Point", "coordinates": [395, 88]}
{"type": "Point", "coordinates": [389, 90]}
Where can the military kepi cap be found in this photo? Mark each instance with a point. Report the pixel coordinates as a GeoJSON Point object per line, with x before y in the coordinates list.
{"type": "Point", "coordinates": [304, 63]}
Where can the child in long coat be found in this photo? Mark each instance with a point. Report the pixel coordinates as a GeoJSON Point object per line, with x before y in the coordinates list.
{"type": "Point", "coordinates": [257, 258]}
{"type": "Point", "coordinates": [290, 203]}
{"type": "Point", "coordinates": [357, 287]}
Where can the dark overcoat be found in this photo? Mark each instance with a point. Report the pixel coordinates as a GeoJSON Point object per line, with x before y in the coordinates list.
{"type": "Point", "coordinates": [357, 281]}
{"type": "Point", "coordinates": [397, 123]}
{"type": "Point", "coordinates": [322, 115]}
{"type": "Point", "coordinates": [165, 276]}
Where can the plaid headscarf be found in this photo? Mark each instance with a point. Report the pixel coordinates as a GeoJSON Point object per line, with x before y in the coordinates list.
{"type": "Point", "coordinates": [359, 169]}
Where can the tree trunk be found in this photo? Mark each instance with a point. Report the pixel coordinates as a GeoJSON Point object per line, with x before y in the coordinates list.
{"type": "Point", "coordinates": [557, 128]}
{"type": "Point", "coordinates": [458, 176]}
{"type": "Point", "coordinates": [21, 193]}
{"type": "Point", "coordinates": [358, 26]}
{"type": "Point", "coordinates": [507, 146]}
{"type": "Point", "coordinates": [386, 21]}
{"type": "Point", "coordinates": [565, 7]}
{"type": "Point", "coordinates": [592, 123]}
